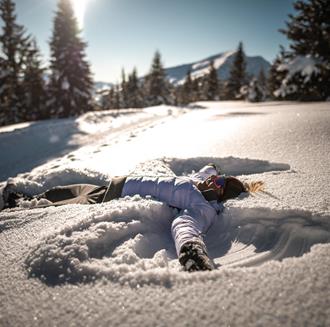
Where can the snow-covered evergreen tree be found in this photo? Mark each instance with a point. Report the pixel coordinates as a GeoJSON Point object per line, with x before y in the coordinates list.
{"type": "Point", "coordinates": [111, 96]}
{"type": "Point", "coordinates": [308, 66]}
{"type": "Point", "coordinates": [276, 76]}
{"type": "Point", "coordinates": [123, 90]}
{"type": "Point", "coordinates": [212, 84]}
{"type": "Point", "coordinates": [254, 92]}
{"type": "Point", "coordinates": [110, 99]}
{"type": "Point", "coordinates": [185, 91]}
{"type": "Point", "coordinates": [156, 87]}
{"type": "Point", "coordinates": [71, 83]}
{"type": "Point", "coordinates": [34, 86]}
{"type": "Point", "coordinates": [262, 78]}
{"type": "Point", "coordinates": [196, 89]}
{"type": "Point", "coordinates": [13, 48]}
{"type": "Point", "coordinates": [237, 77]}
{"type": "Point", "coordinates": [262, 82]}
{"type": "Point", "coordinates": [134, 96]}
{"type": "Point", "coordinates": [117, 102]}
{"type": "Point", "coordinates": [105, 99]}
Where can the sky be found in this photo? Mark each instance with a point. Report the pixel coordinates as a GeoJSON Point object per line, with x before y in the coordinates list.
{"type": "Point", "coordinates": [126, 33]}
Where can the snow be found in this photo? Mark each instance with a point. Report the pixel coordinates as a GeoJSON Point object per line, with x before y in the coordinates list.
{"type": "Point", "coordinates": [28, 145]}
{"type": "Point", "coordinates": [306, 66]}
{"type": "Point", "coordinates": [115, 264]}
{"type": "Point", "coordinates": [65, 84]}
{"type": "Point", "coordinates": [202, 68]}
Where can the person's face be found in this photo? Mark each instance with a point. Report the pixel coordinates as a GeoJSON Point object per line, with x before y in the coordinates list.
{"type": "Point", "coordinates": [209, 184]}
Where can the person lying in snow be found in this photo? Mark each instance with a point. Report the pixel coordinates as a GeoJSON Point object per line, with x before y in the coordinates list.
{"type": "Point", "coordinates": [198, 197]}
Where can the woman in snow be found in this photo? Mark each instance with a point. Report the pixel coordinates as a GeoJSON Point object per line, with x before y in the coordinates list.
{"type": "Point", "coordinates": [198, 198]}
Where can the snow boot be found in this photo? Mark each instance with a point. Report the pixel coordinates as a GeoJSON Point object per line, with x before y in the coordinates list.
{"type": "Point", "coordinates": [193, 257]}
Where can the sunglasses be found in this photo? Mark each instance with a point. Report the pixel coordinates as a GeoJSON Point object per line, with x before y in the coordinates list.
{"type": "Point", "coordinates": [219, 181]}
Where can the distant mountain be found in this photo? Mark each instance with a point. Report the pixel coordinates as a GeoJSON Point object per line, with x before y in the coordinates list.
{"type": "Point", "coordinates": [222, 63]}
{"type": "Point", "coordinates": [102, 86]}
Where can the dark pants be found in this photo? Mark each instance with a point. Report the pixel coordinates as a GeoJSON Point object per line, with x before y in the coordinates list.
{"type": "Point", "coordinates": [61, 195]}
{"type": "Point", "coordinates": [74, 194]}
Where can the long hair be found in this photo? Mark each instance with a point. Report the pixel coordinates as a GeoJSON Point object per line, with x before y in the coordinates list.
{"type": "Point", "coordinates": [254, 186]}
{"type": "Point", "coordinates": [234, 187]}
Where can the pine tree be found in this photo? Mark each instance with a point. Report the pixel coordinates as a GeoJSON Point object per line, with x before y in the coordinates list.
{"type": "Point", "coordinates": [13, 48]}
{"type": "Point", "coordinates": [34, 86]}
{"type": "Point", "coordinates": [155, 85]}
{"type": "Point", "coordinates": [123, 92]}
{"type": "Point", "coordinates": [134, 96]}
{"type": "Point", "coordinates": [262, 78]}
{"type": "Point", "coordinates": [276, 76]}
{"type": "Point", "coordinates": [254, 92]}
{"type": "Point", "coordinates": [212, 84]}
{"type": "Point", "coordinates": [203, 87]}
{"type": "Point", "coordinates": [108, 99]}
{"type": "Point", "coordinates": [237, 77]}
{"type": "Point", "coordinates": [262, 81]}
{"type": "Point", "coordinates": [111, 99]}
{"type": "Point", "coordinates": [117, 102]}
{"type": "Point", "coordinates": [309, 32]}
{"type": "Point", "coordinates": [70, 82]}
{"type": "Point", "coordinates": [186, 90]}
{"type": "Point", "coordinates": [105, 99]}
{"type": "Point", "coordinates": [196, 92]}
{"type": "Point", "coordinates": [309, 28]}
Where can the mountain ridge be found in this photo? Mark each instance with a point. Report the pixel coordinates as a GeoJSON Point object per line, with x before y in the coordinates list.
{"type": "Point", "coordinates": [222, 62]}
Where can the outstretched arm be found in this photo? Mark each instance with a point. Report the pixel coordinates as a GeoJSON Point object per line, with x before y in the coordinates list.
{"type": "Point", "coordinates": [205, 172]}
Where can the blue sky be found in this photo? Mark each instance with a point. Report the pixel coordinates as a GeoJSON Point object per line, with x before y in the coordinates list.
{"type": "Point", "coordinates": [126, 33]}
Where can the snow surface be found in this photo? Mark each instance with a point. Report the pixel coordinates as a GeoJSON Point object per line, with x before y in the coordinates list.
{"type": "Point", "coordinates": [115, 263]}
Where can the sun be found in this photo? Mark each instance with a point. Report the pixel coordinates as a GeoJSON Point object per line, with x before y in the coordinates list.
{"type": "Point", "coordinates": [79, 8]}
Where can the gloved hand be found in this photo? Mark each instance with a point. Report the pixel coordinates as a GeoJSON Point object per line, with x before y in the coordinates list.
{"type": "Point", "coordinates": [193, 257]}
{"type": "Point", "coordinates": [218, 170]}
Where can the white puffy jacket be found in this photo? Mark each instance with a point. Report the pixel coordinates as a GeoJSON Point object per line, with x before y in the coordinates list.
{"type": "Point", "coordinates": [196, 214]}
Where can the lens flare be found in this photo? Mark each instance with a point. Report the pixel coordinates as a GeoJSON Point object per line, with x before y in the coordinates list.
{"type": "Point", "coordinates": [79, 8]}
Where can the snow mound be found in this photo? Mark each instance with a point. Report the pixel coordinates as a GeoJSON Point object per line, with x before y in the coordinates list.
{"type": "Point", "coordinates": [101, 121]}
{"type": "Point", "coordinates": [227, 165]}
{"type": "Point", "coordinates": [54, 175]}
{"type": "Point", "coordinates": [246, 237]}
{"type": "Point", "coordinates": [128, 243]}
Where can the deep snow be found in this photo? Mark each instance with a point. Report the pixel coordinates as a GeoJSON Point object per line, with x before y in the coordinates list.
{"type": "Point", "coordinates": [115, 264]}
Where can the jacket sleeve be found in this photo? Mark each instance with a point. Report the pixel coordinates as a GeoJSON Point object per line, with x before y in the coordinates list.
{"type": "Point", "coordinates": [205, 172]}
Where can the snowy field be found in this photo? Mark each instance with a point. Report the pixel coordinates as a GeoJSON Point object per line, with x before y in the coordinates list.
{"type": "Point", "coordinates": [114, 264]}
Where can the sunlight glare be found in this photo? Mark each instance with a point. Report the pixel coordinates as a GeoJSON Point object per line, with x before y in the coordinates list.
{"type": "Point", "coordinates": [79, 8]}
